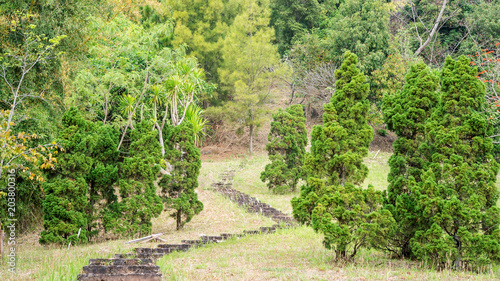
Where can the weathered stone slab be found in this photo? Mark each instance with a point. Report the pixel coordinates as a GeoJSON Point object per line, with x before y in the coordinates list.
{"type": "Point", "coordinates": [153, 250]}
{"type": "Point", "coordinates": [121, 261]}
{"type": "Point", "coordinates": [120, 277]}
{"type": "Point", "coordinates": [153, 256]}
{"type": "Point", "coordinates": [121, 269]}
{"type": "Point", "coordinates": [175, 247]}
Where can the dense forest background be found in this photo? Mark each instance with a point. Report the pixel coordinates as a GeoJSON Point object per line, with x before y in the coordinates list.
{"type": "Point", "coordinates": [144, 83]}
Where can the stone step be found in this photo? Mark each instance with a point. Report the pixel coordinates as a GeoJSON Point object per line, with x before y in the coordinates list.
{"type": "Point", "coordinates": [194, 243]}
{"type": "Point", "coordinates": [154, 250]}
{"type": "Point", "coordinates": [121, 261]}
{"type": "Point", "coordinates": [120, 277]}
{"type": "Point", "coordinates": [153, 256]}
{"type": "Point", "coordinates": [121, 269]}
{"type": "Point", "coordinates": [252, 231]}
{"type": "Point", "coordinates": [213, 239]}
{"type": "Point", "coordinates": [175, 247]}
{"type": "Point", "coordinates": [267, 229]}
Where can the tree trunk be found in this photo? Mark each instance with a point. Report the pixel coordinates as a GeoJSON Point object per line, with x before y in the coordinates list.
{"type": "Point", "coordinates": [406, 251]}
{"type": "Point", "coordinates": [91, 211]}
{"type": "Point", "coordinates": [160, 136]}
{"type": "Point", "coordinates": [178, 219]}
{"type": "Point", "coordinates": [458, 260]}
{"type": "Point", "coordinates": [251, 139]}
{"type": "Point", "coordinates": [308, 112]}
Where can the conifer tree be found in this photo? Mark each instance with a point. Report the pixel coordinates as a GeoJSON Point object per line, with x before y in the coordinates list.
{"type": "Point", "coordinates": [339, 145]}
{"type": "Point", "coordinates": [348, 216]}
{"type": "Point", "coordinates": [405, 113]}
{"type": "Point", "coordinates": [458, 193]}
{"type": "Point", "coordinates": [81, 186]}
{"type": "Point", "coordinates": [286, 148]}
{"type": "Point", "coordinates": [178, 188]}
{"type": "Point", "coordinates": [139, 202]}
{"type": "Point", "coordinates": [248, 68]}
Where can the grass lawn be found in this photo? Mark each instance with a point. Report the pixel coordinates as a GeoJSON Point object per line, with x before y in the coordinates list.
{"type": "Point", "coordinates": [289, 254]}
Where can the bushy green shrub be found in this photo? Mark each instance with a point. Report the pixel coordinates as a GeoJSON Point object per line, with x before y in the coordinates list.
{"type": "Point", "coordinates": [81, 185]}
{"type": "Point", "coordinates": [405, 113]}
{"type": "Point", "coordinates": [457, 194]}
{"type": "Point", "coordinates": [139, 202]}
{"type": "Point", "coordinates": [286, 148]}
{"type": "Point", "coordinates": [351, 217]}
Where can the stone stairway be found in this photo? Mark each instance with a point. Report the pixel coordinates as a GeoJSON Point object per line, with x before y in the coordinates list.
{"type": "Point", "coordinates": [140, 264]}
{"type": "Point", "coordinates": [252, 204]}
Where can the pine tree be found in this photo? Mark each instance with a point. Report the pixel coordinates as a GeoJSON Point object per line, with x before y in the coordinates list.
{"type": "Point", "coordinates": [139, 202]}
{"type": "Point", "coordinates": [458, 193]}
{"type": "Point", "coordinates": [286, 148]}
{"type": "Point", "coordinates": [81, 186]}
{"type": "Point", "coordinates": [178, 188]}
{"type": "Point", "coordinates": [339, 145]}
{"type": "Point", "coordinates": [348, 216]}
{"type": "Point", "coordinates": [405, 113]}
{"type": "Point", "coordinates": [249, 58]}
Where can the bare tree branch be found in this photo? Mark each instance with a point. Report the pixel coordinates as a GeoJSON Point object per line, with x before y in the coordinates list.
{"type": "Point", "coordinates": [434, 28]}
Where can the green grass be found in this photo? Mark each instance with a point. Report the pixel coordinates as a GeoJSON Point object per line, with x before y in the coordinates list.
{"type": "Point", "coordinates": [290, 254]}
{"type": "Point", "coordinates": [294, 254]}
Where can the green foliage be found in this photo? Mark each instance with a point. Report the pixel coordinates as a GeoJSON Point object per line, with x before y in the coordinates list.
{"type": "Point", "coordinates": [350, 218]}
{"type": "Point", "coordinates": [202, 26]}
{"type": "Point", "coordinates": [119, 59]}
{"type": "Point", "coordinates": [178, 188]}
{"type": "Point", "coordinates": [20, 98]}
{"type": "Point", "coordinates": [64, 211]}
{"type": "Point", "coordinates": [360, 26]}
{"type": "Point", "coordinates": [139, 202]}
{"type": "Point", "coordinates": [247, 71]}
{"type": "Point", "coordinates": [389, 79]}
{"type": "Point", "coordinates": [406, 113]}
{"type": "Point", "coordinates": [293, 18]}
{"type": "Point", "coordinates": [195, 118]}
{"type": "Point", "coordinates": [81, 186]}
{"type": "Point", "coordinates": [287, 140]}
{"type": "Point", "coordinates": [484, 26]}
{"type": "Point", "coordinates": [458, 194]}
{"type": "Point", "coordinates": [339, 145]}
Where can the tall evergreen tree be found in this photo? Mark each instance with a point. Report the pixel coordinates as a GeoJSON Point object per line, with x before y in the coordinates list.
{"type": "Point", "coordinates": [458, 193]}
{"type": "Point", "coordinates": [286, 148]}
{"type": "Point", "coordinates": [350, 217]}
{"type": "Point", "coordinates": [81, 186]}
{"type": "Point", "coordinates": [178, 188]}
{"type": "Point", "coordinates": [249, 65]}
{"type": "Point", "coordinates": [139, 202]}
{"type": "Point", "coordinates": [339, 145]}
{"type": "Point", "coordinates": [405, 113]}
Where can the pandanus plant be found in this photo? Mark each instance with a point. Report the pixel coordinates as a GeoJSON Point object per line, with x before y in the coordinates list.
{"type": "Point", "coordinates": [194, 116]}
